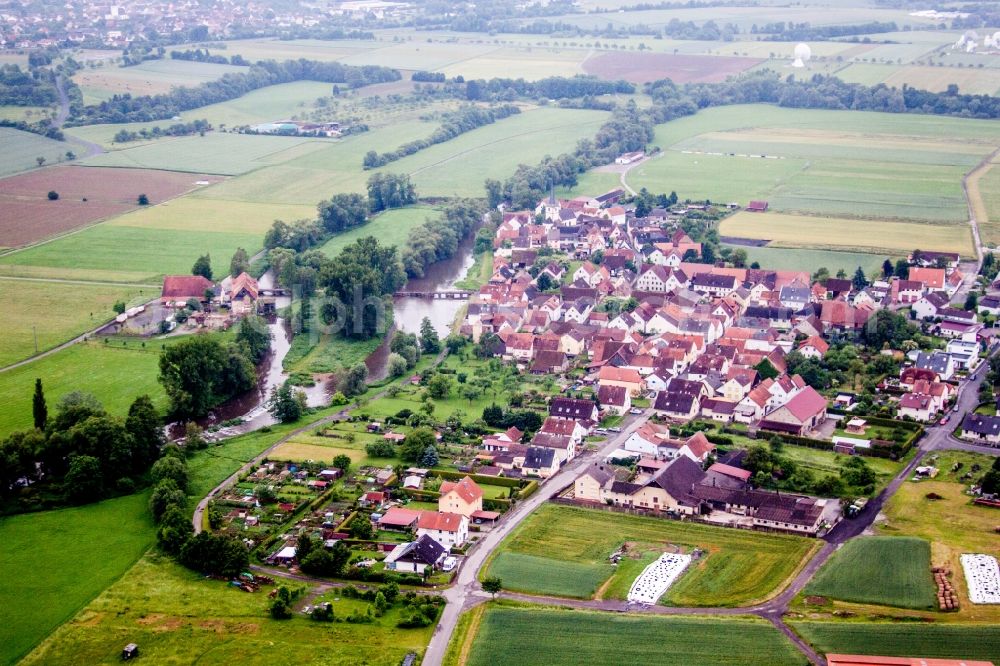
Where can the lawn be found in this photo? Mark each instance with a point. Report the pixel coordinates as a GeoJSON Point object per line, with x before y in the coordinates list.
{"type": "Point", "coordinates": [92, 367]}
{"type": "Point", "coordinates": [891, 571]}
{"type": "Point", "coordinates": [833, 163]}
{"type": "Point", "coordinates": [903, 639]}
{"type": "Point", "coordinates": [161, 240]}
{"type": "Point", "coordinates": [562, 637]}
{"type": "Point", "coordinates": [55, 313]}
{"type": "Point", "coordinates": [55, 562]}
{"type": "Point", "coordinates": [852, 235]}
{"type": "Point", "coordinates": [177, 616]}
{"type": "Point", "coordinates": [739, 567]}
{"type": "Point", "coordinates": [21, 150]}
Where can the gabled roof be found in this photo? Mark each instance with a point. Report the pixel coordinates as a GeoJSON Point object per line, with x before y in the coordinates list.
{"type": "Point", "coordinates": [538, 457]}
{"type": "Point", "coordinates": [467, 489]}
{"type": "Point", "coordinates": [185, 286]}
{"type": "Point", "coordinates": [612, 395]}
{"type": "Point", "coordinates": [806, 404]}
{"type": "Point", "coordinates": [441, 521]}
{"type": "Point", "coordinates": [573, 408]}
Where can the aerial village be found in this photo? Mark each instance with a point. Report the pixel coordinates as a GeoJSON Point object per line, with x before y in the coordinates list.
{"type": "Point", "coordinates": [662, 365]}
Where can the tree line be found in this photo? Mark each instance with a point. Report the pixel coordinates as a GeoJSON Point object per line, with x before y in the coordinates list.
{"type": "Point", "coordinates": [798, 32]}
{"type": "Point", "coordinates": [27, 88]}
{"type": "Point", "coordinates": [177, 129]}
{"type": "Point", "coordinates": [203, 55]}
{"type": "Point", "coordinates": [127, 109]}
{"type": "Point", "coordinates": [454, 124]}
{"type": "Point", "coordinates": [438, 239]}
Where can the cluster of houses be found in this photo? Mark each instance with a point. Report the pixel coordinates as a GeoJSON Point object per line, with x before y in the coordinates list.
{"type": "Point", "coordinates": [679, 485]}
{"type": "Point", "coordinates": [232, 298]}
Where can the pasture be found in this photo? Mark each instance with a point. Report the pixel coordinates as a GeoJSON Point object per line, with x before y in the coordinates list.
{"type": "Point", "coordinates": [810, 260]}
{"type": "Point", "coordinates": [391, 227]}
{"type": "Point", "coordinates": [55, 562]}
{"type": "Point", "coordinates": [94, 367]}
{"type": "Point", "coordinates": [215, 153]}
{"type": "Point", "coordinates": [849, 235]}
{"type": "Point", "coordinates": [987, 187]}
{"type": "Point", "coordinates": [152, 77]}
{"type": "Point", "coordinates": [55, 313]}
{"type": "Point", "coordinates": [737, 568]}
{"type": "Point", "coordinates": [955, 641]}
{"type": "Point", "coordinates": [178, 616]}
{"type": "Point", "coordinates": [162, 240]}
{"type": "Point", "coordinates": [836, 163]}
{"type": "Point", "coordinates": [890, 571]}
{"type": "Point", "coordinates": [21, 150]}
{"type": "Point", "coordinates": [508, 635]}
{"type": "Point", "coordinates": [85, 196]}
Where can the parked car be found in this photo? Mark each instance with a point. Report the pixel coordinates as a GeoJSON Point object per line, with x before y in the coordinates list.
{"type": "Point", "coordinates": [943, 421]}
{"type": "Point", "coordinates": [635, 410]}
{"type": "Point", "coordinates": [615, 429]}
{"type": "Point", "coordinates": [449, 563]}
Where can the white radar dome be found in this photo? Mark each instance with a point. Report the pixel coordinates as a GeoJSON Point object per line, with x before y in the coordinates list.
{"type": "Point", "coordinates": [802, 55]}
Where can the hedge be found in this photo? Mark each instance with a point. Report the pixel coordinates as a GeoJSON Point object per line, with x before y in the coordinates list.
{"type": "Point", "coordinates": [530, 489]}
{"type": "Point", "coordinates": [478, 478]}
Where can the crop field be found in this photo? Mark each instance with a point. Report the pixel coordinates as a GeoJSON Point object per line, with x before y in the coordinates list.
{"type": "Point", "coordinates": [952, 524]}
{"type": "Point", "coordinates": [216, 153]}
{"type": "Point", "coordinates": [810, 260]}
{"type": "Point", "coordinates": [94, 367]}
{"type": "Point", "coordinates": [836, 163]}
{"type": "Point", "coordinates": [891, 571]}
{"type": "Point", "coordinates": [988, 213]}
{"type": "Point", "coordinates": [55, 312]}
{"type": "Point", "coordinates": [74, 554]}
{"type": "Point", "coordinates": [530, 63]}
{"type": "Point", "coordinates": [280, 49]}
{"type": "Point", "coordinates": [564, 551]}
{"type": "Point", "coordinates": [21, 150]}
{"type": "Point", "coordinates": [643, 67]}
{"type": "Point", "coordinates": [152, 77]}
{"type": "Point", "coordinates": [177, 616]}
{"type": "Point", "coordinates": [563, 637]}
{"type": "Point", "coordinates": [829, 233]}
{"type": "Point", "coordinates": [280, 102]}
{"type": "Point", "coordinates": [85, 196]}
{"type": "Point", "coordinates": [163, 239]}
{"type": "Point", "coordinates": [27, 113]}
{"type": "Point", "coordinates": [968, 641]}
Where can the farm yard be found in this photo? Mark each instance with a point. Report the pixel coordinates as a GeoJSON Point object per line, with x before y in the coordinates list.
{"type": "Point", "coordinates": [892, 571]}
{"type": "Point", "coordinates": [85, 196]}
{"type": "Point", "coordinates": [565, 551]}
{"type": "Point", "coordinates": [968, 641]}
{"type": "Point", "coordinates": [562, 637]}
{"type": "Point", "coordinates": [53, 312]}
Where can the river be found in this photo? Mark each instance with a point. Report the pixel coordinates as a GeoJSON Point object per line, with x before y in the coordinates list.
{"type": "Point", "coordinates": [407, 314]}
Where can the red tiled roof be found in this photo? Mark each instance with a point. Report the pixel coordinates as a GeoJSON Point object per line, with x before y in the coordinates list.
{"type": "Point", "coordinates": [185, 286]}
{"type": "Point", "coordinates": [439, 520]}
{"type": "Point", "coordinates": [467, 489]}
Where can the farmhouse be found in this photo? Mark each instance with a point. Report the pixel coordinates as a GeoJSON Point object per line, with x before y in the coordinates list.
{"type": "Point", "coordinates": [588, 485]}
{"type": "Point", "coordinates": [804, 412]}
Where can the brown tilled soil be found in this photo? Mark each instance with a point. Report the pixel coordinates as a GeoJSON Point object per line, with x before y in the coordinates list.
{"type": "Point", "coordinates": [27, 216]}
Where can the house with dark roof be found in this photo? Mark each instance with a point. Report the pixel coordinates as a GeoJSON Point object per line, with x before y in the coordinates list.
{"type": "Point", "coordinates": [415, 556]}
{"type": "Point", "coordinates": [677, 406]}
{"type": "Point", "coordinates": [614, 399]}
{"type": "Point", "coordinates": [540, 462]}
{"type": "Point", "coordinates": [574, 408]}
{"type": "Point", "coordinates": [667, 490]}
{"type": "Point", "coordinates": [981, 428]}
{"type": "Point", "coordinates": [588, 486]}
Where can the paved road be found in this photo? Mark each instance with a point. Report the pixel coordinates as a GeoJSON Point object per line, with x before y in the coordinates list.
{"type": "Point", "coordinates": [88, 148]}
{"type": "Point", "coordinates": [465, 592]}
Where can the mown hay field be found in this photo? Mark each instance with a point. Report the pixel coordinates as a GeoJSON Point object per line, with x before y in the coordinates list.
{"type": "Point", "coordinates": [562, 637]}
{"type": "Point", "coordinates": [853, 235]}
{"type": "Point", "coordinates": [21, 150]}
{"type": "Point", "coordinates": [737, 568]}
{"type": "Point", "coordinates": [890, 571]}
{"type": "Point", "coordinates": [152, 77]}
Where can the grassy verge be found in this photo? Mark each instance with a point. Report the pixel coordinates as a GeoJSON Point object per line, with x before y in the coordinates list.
{"type": "Point", "coordinates": [478, 274]}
